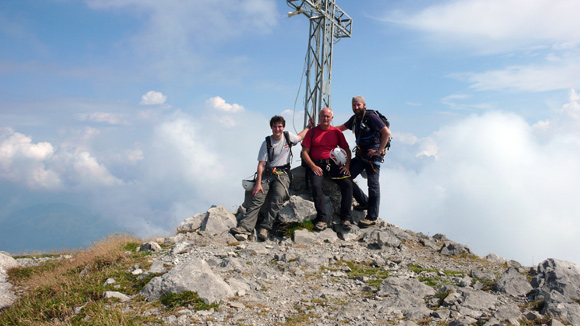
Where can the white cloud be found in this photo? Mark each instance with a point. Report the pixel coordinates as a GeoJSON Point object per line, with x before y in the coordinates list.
{"type": "Point", "coordinates": [496, 25]}
{"type": "Point", "coordinates": [488, 181]}
{"type": "Point", "coordinates": [543, 36]}
{"type": "Point", "coordinates": [40, 167]}
{"type": "Point", "coordinates": [90, 173]}
{"type": "Point", "coordinates": [220, 104]}
{"type": "Point", "coordinates": [563, 121]}
{"type": "Point", "coordinates": [495, 182]}
{"type": "Point", "coordinates": [106, 117]}
{"type": "Point", "coordinates": [22, 161]}
{"type": "Point", "coordinates": [532, 78]}
{"type": "Point", "coordinates": [153, 98]}
{"type": "Point", "coordinates": [173, 26]}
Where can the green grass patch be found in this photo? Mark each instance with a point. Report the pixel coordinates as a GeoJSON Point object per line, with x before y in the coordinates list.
{"type": "Point", "coordinates": [287, 230]}
{"type": "Point", "coordinates": [188, 299]}
{"type": "Point", "coordinates": [376, 275]}
{"type": "Point", "coordinates": [431, 280]}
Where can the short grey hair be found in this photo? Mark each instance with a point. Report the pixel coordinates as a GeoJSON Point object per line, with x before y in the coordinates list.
{"type": "Point", "coordinates": [359, 98]}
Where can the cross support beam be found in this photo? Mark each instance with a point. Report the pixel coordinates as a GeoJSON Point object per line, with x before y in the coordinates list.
{"type": "Point", "coordinates": [328, 24]}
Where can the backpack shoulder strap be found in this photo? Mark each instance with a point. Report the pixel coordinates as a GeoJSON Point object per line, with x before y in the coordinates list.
{"type": "Point", "coordinates": [269, 148]}
{"type": "Point", "coordinates": [287, 136]}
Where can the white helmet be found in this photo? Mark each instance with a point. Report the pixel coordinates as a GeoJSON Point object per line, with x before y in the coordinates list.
{"type": "Point", "coordinates": [248, 184]}
{"type": "Point", "coordinates": [338, 155]}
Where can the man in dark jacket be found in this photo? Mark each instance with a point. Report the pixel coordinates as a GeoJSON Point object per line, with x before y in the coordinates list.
{"type": "Point", "coordinates": [372, 136]}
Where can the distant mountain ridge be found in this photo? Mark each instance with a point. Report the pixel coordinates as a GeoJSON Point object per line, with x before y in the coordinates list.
{"type": "Point", "coordinates": [54, 226]}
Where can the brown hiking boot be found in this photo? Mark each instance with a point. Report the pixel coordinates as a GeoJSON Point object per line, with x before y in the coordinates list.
{"type": "Point", "coordinates": [240, 230]}
{"type": "Point", "coordinates": [320, 226]}
{"type": "Point", "coordinates": [367, 223]}
{"type": "Point", "coordinates": [346, 225]}
{"type": "Point", "coordinates": [263, 234]}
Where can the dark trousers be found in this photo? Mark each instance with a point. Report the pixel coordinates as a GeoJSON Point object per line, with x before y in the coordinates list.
{"type": "Point", "coordinates": [318, 196]}
{"type": "Point", "coordinates": [373, 200]}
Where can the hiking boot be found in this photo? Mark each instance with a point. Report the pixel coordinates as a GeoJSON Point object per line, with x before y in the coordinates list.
{"type": "Point", "coordinates": [346, 225]}
{"type": "Point", "coordinates": [263, 234]}
{"type": "Point", "coordinates": [241, 237]}
{"type": "Point", "coordinates": [367, 223]}
{"type": "Point", "coordinates": [361, 207]}
{"type": "Point", "coordinates": [240, 230]}
{"type": "Point", "coordinates": [320, 226]}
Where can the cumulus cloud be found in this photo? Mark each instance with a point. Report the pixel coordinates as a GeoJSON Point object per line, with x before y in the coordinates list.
{"type": "Point", "coordinates": [494, 182]}
{"type": "Point", "coordinates": [153, 98]}
{"type": "Point", "coordinates": [89, 172]}
{"type": "Point", "coordinates": [38, 166]}
{"type": "Point", "coordinates": [563, 120]}
{"type": "Point", "coordinates": [22, 161]}
{"type": "Point", "coordinates": [220, 104]}
{"type": "Point", "coordinates": [490, 180]}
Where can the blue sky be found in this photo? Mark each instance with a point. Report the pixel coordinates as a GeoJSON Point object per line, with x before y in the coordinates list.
{"type": "Point", "coordinates": [147, 112]}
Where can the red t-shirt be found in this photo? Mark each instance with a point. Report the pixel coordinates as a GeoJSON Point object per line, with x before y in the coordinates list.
{"type": "Point", "coordinates": [323, 142]}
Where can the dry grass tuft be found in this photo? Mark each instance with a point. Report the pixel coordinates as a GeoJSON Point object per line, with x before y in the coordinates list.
{"type": "Point", "coordinates": [69, 291]}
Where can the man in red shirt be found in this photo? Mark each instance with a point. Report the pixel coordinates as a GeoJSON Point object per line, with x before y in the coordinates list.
{"type": "Point", "coordinates": [316, 147]}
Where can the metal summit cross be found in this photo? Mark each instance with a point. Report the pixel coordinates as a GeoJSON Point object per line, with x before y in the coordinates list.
{"type": "Point", "coordinates": [328, 24]}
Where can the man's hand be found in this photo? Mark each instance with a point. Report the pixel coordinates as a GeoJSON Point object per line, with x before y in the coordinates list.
{"type": "Point", "coordinates": [345, 170]}
{"type": "Point", "coordinates": [257, 188]}
{"type": "Point", "coordinates": [317, 170]}
{"type": "Point", "coordinates": [374, 152]}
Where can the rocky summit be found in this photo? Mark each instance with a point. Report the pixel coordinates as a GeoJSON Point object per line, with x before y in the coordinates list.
{"type": "Point", "coordinates": [383, 275]}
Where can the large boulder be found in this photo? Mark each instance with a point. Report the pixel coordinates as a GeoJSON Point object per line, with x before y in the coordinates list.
{"type": "Point", "coordinates": [558, 275]}
{"type": "Point", "coordinates": [558, 283]}
{"type": "Point", "coordinates": [194, 275]}
{"type": "Point", "coordinates": [7, 262]}
{"type": "Point", "coordinates": [378, 239]}
{"type": "Point", "coordinates": [513, 283]}
{"type": "Point", "coordinates": [451, 248]}
{"type": "Point", "coordinates": [6, 295]}
{"type": "Point", "coordinates": [404, 292]}
{"type": "Point", "coordinates": [217, 220]}
{"type": "Point", "coordinates": [298, 209]}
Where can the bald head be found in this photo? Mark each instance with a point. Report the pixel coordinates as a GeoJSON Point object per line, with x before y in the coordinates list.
{"type": "Point", "coordinates": [325, 111]}
{"type": "Point", "coordinates": [325, 118]}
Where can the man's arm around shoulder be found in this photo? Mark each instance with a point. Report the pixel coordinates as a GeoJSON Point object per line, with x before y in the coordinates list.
{"type": "Point", "coordinates": [303, 132]}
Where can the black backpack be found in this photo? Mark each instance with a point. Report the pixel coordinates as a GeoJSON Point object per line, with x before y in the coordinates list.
{"type": "Point", "coordinates": [385, 121]}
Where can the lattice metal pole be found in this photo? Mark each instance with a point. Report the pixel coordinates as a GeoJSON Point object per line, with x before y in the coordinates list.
{"type": "Point", "coordinates": [328, 24]}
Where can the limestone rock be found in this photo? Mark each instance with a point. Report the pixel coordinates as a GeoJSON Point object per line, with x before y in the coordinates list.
{"type": "Point", "coordinates": [150, 246]}
{"type": "Point", "coordinates": [217, 220]}
{"type": "Point", "coordinates": [513, 283]}
{"type": "Point", "coordinates": [451, 248]}
{"type": "Point", "coordinates": [297, 210]}
{"type": "Point", "coordinates": [194, 275]}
